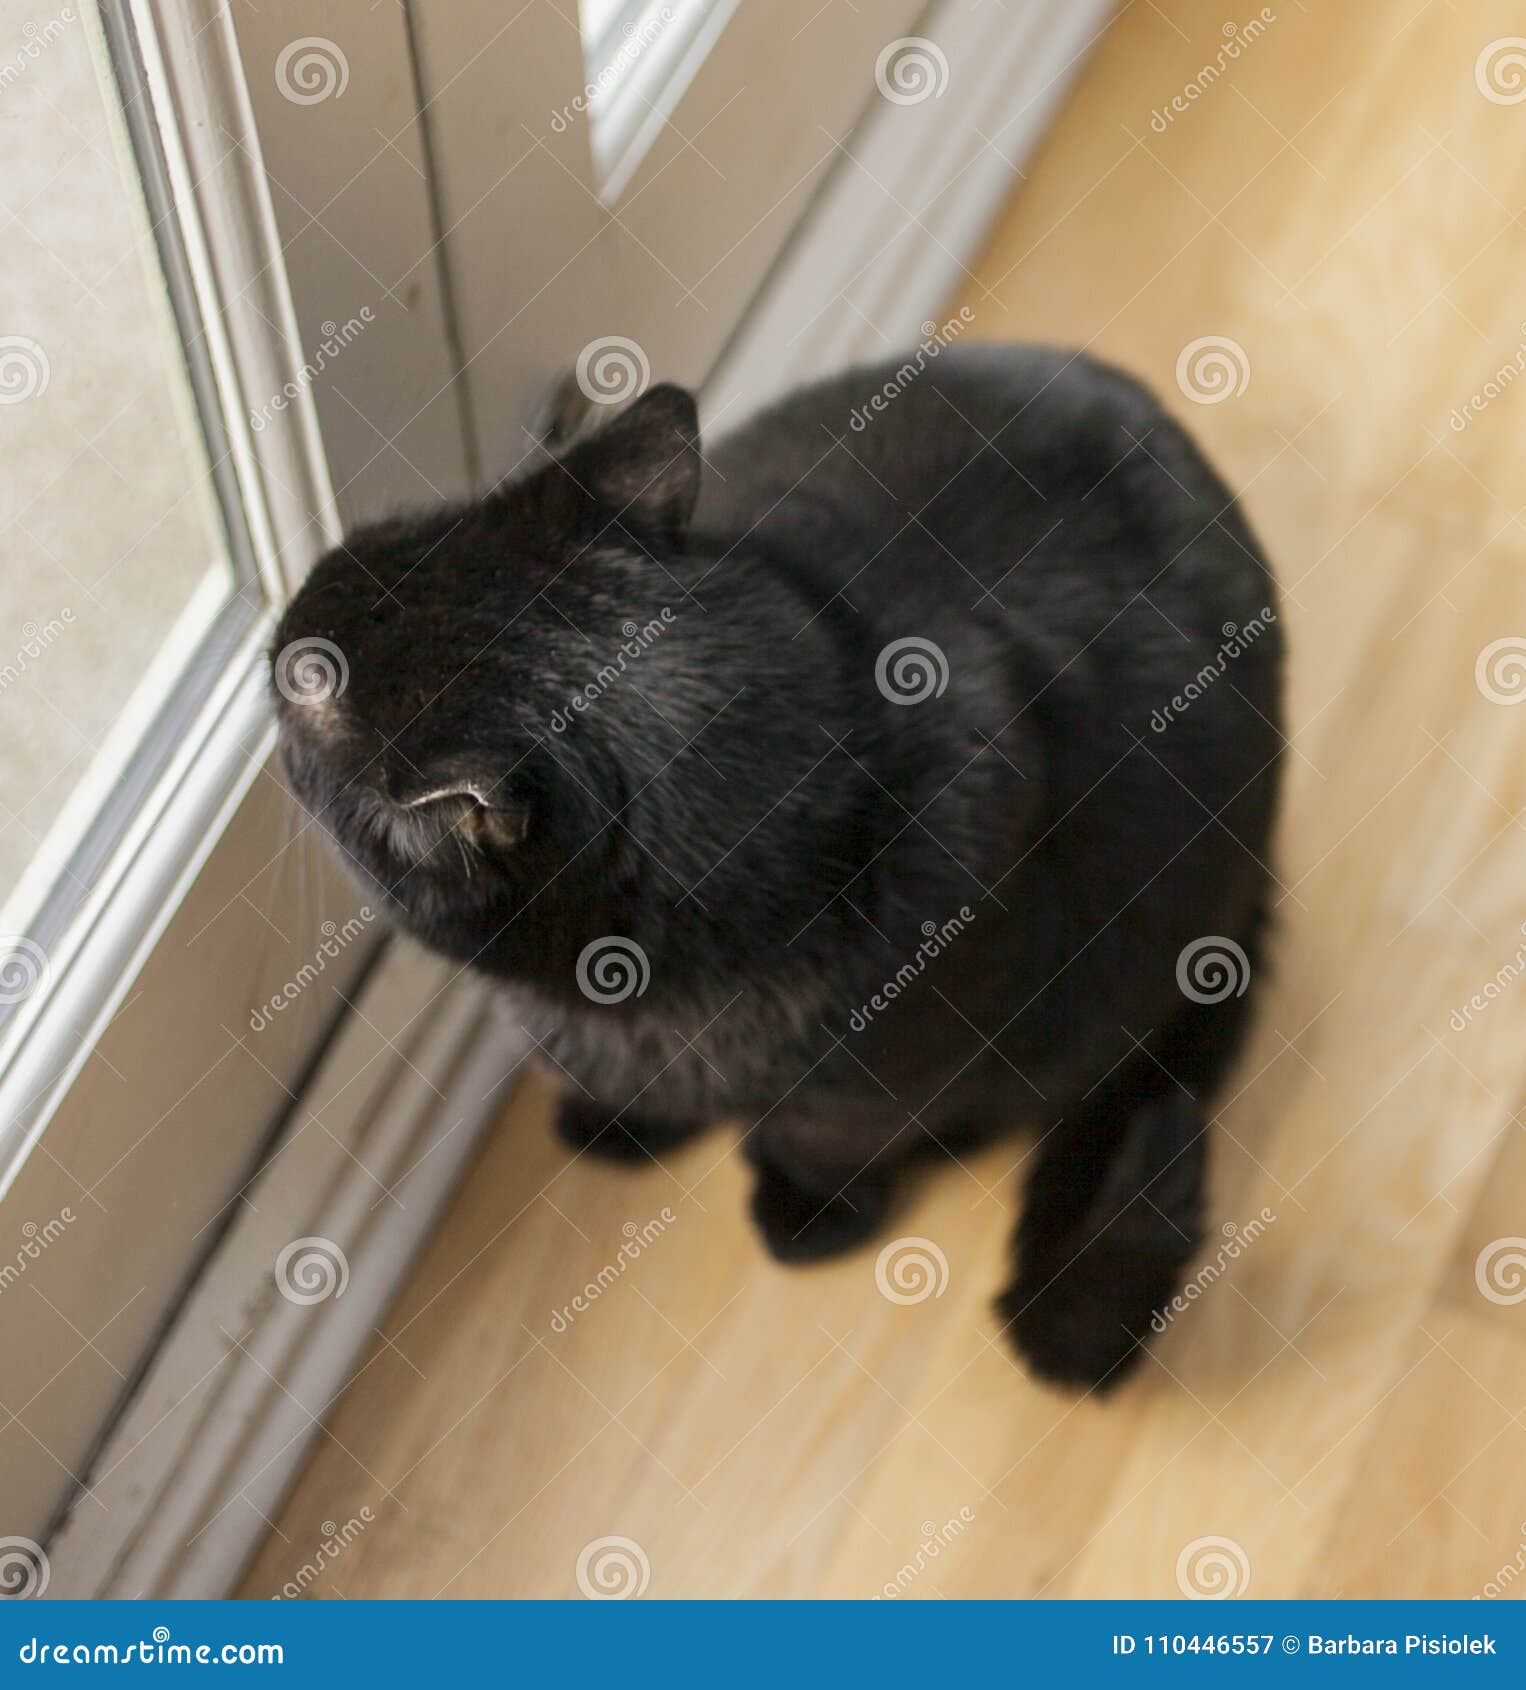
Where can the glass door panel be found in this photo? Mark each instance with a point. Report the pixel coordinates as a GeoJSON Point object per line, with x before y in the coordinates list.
{"type": "Point", "coordinates": [118, 553]}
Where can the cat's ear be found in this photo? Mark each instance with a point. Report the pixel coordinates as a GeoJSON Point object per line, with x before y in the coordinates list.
{"type": "Point", "coordinates": [643, 467]}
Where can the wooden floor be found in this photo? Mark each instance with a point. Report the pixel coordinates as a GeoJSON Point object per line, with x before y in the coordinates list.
{"type": "Point", "coordinates": [1343, 1410]}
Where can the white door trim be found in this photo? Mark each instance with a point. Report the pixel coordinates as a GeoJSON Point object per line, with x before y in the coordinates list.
{"type": "Point", "coordinates": [889, 239]}
{"type": "Point", "coordinates": [270, 1334]}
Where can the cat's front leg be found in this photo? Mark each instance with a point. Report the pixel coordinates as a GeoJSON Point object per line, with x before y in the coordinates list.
{"type": "Point", "coordinates": [1115, 1202]}
{"type": "Point", "coordinates": [1112, 1217]}
{"type": "Point", "coordinates": [823, 1186]}
{"type": "Point", "coordinates": [800, 1224]}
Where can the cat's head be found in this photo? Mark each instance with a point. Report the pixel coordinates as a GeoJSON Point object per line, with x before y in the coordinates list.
{"type": "Point", "coordinates": [433, 675]}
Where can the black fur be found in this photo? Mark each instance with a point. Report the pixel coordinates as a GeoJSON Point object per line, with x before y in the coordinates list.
{"type": "Point", "coordinates": [1029, 849]}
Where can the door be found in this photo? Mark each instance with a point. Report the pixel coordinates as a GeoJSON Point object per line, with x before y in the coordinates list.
{"type": "Point", "coordinates": [615, 181]}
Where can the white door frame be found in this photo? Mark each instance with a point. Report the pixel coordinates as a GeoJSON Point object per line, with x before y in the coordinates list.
{"type": "Point", "coordinates": [543, 263]}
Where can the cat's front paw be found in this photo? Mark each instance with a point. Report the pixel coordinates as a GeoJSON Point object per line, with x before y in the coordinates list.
{"type": "Point", "coordinates": [803, 1226]}
{"type": "Point", "coordinates": [1083, 1326]}
{"type": "Point", "coordinates": [594, 1129]}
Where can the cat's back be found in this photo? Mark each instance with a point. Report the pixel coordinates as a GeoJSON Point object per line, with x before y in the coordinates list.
{"type": "Point", "coordinates": [1035, 473]}
{"type": "Point", "coordinates": [897, 434]}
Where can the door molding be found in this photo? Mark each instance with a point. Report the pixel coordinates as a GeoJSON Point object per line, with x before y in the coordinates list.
{"type": "Point", "coordinates": [888, 240]}
{"type": "Point", "coordinates": [288, 1307]}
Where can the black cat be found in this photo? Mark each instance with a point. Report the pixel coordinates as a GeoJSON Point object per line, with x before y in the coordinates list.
{"type": "Point", "coordinates": [900, 769]}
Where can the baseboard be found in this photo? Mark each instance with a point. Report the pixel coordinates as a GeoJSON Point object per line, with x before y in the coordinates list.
{"type": "Point", "coordinates": [182, 1492]}
{"type": "Point", "coordinates": [907, 207]}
